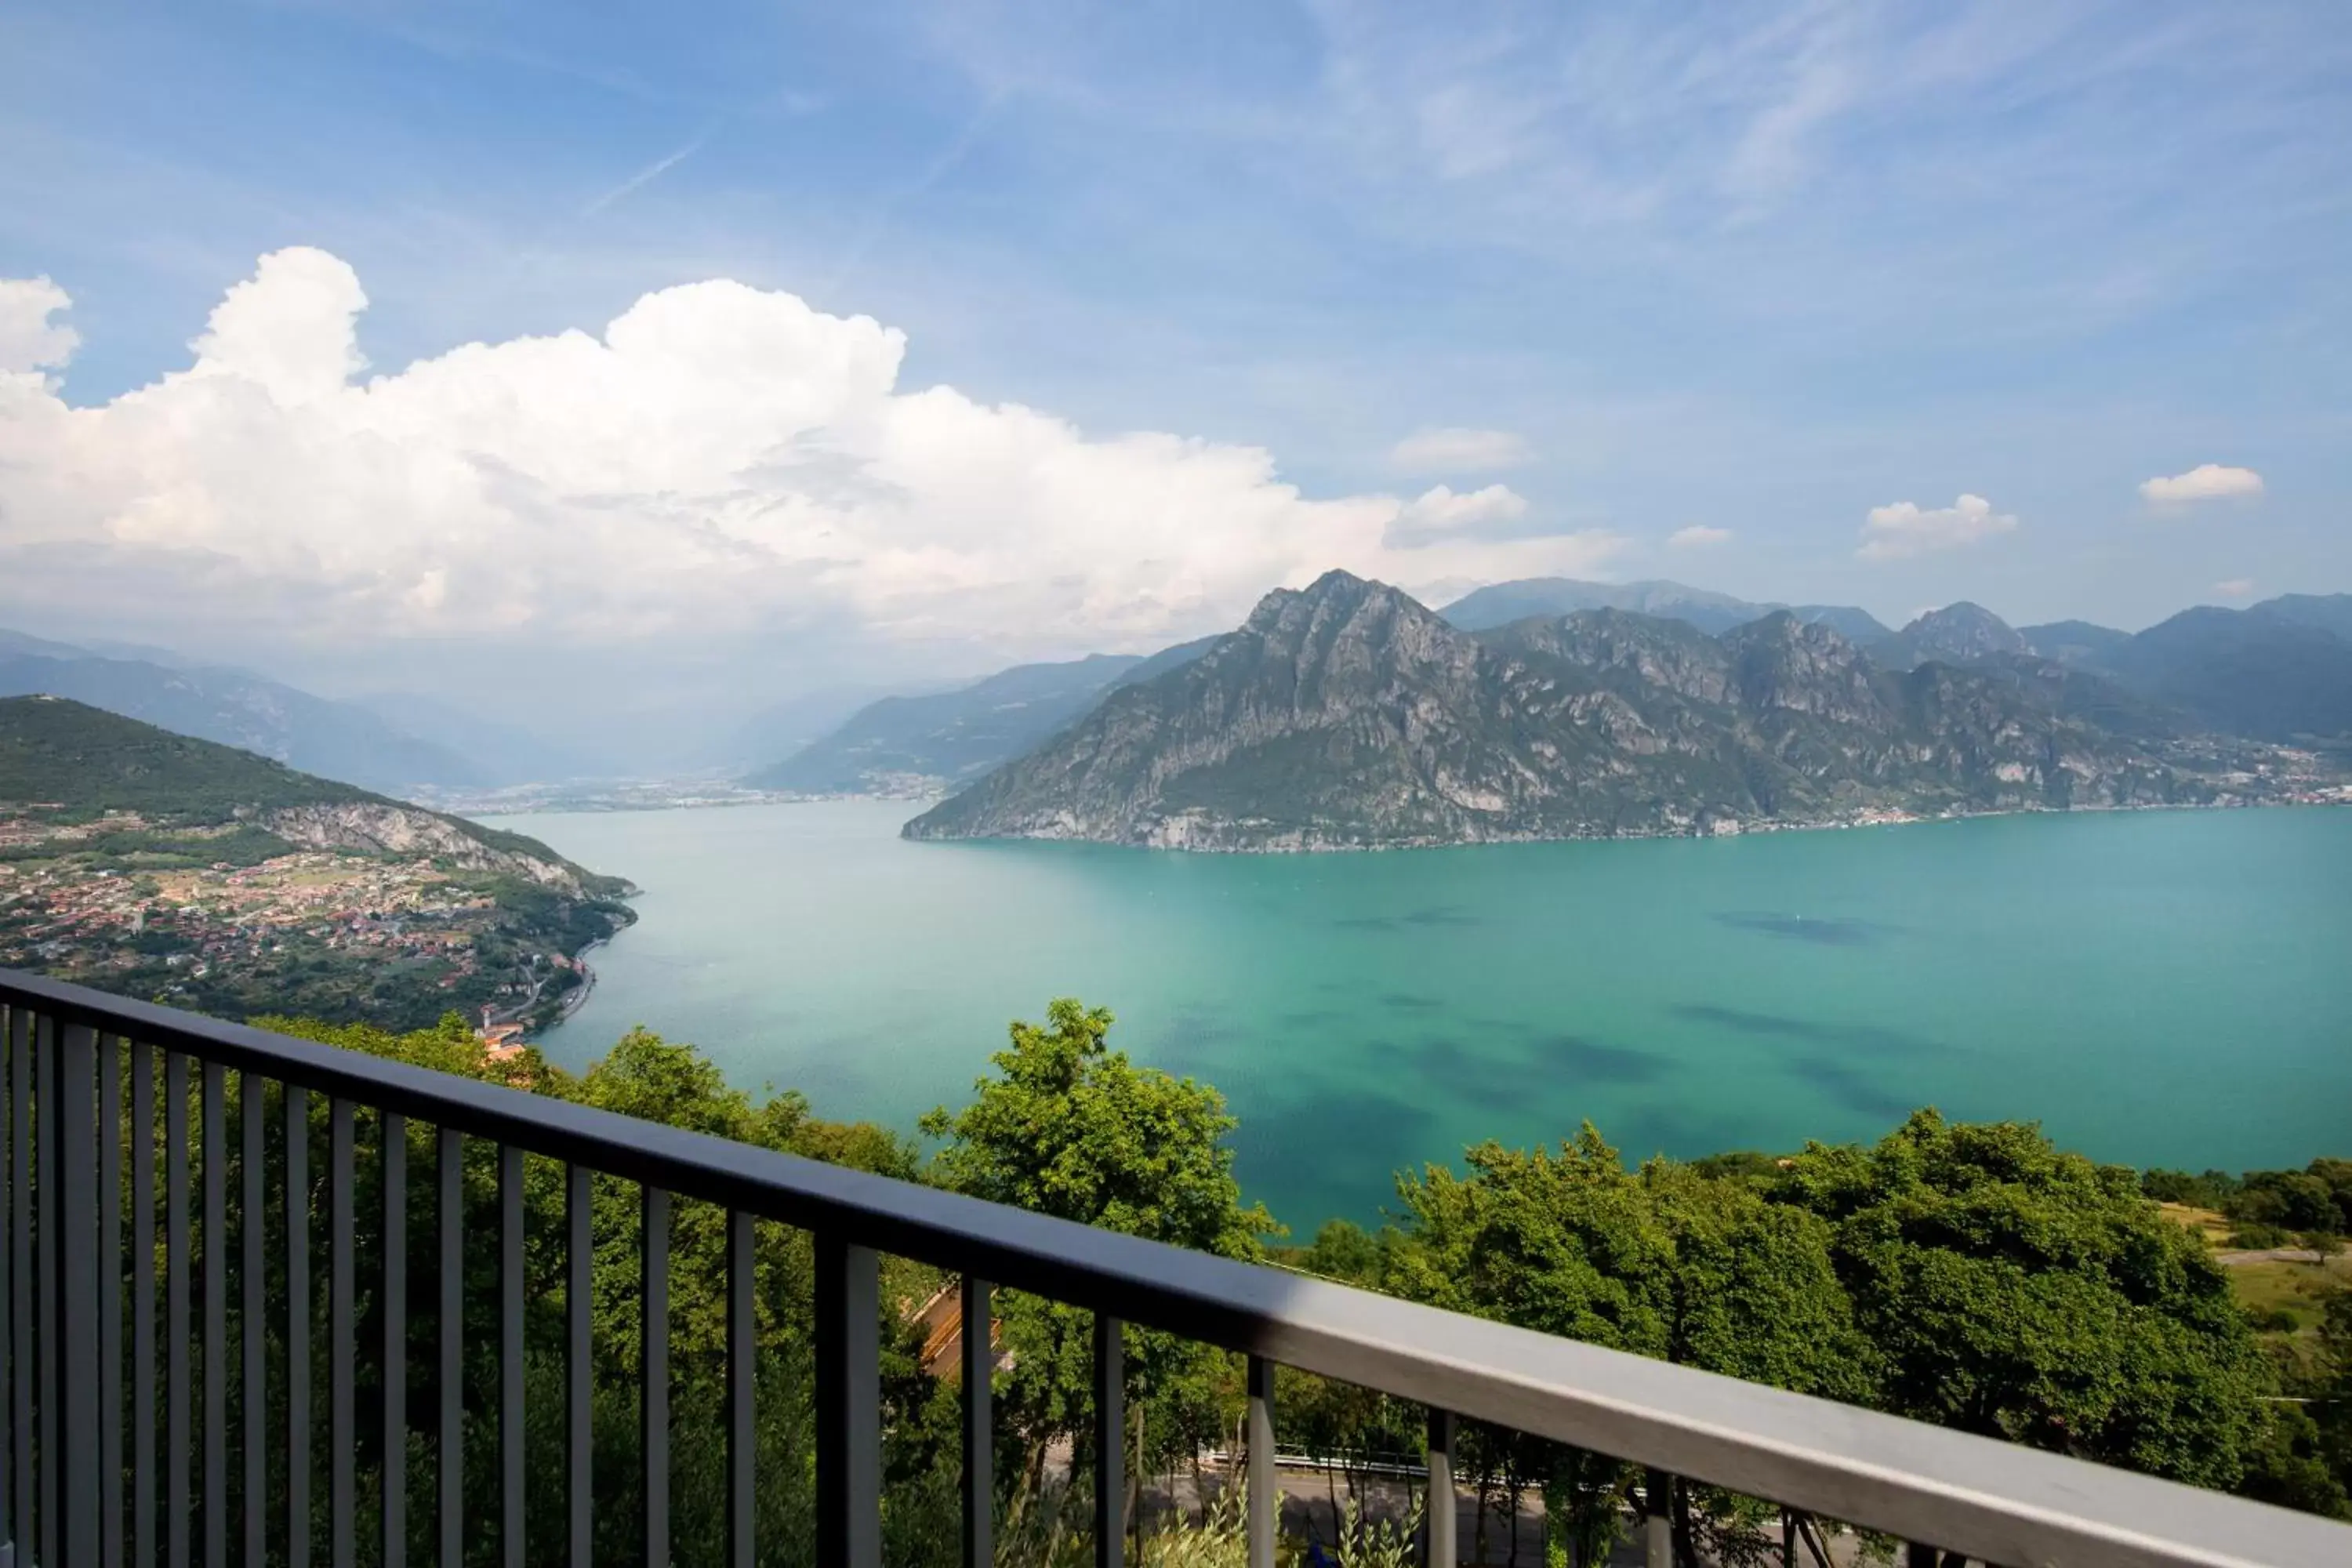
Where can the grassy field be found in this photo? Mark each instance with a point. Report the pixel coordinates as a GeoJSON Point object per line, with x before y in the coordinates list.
{"type": "Point", "coordinates": [2271, 1284]}
{"type": "Point", "coordinates": [2212, 1223]}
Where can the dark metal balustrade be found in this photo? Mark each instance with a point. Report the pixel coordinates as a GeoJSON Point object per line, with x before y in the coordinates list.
{"type": "Point", "coordinates": [70, 1494]}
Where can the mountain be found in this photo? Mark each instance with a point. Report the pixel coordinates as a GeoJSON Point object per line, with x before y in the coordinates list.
{"type": "Point", "coordinates": [1348, 715]}
{"type": "Point", "coordinates": [83, 762]}
{"type": "Point", "coordinates": [1166, 660]}
{"type": "Point", "coordinates": [907, 745]}
{"type": "Point", "coordinates": [2324, 612]}
{"type": "Point", "coordinates": [2072, 642]}
{"type": "Point", "coordinates": [334, 740]}
{"type": "Point", "coordinates": [2247, 673]}
{"type": "Point", "coordinates": [1956, 634]}
{"type": "Point", "coordinates": [14, 643]}
{"type": "Point", "coordinates": [1504, 603]}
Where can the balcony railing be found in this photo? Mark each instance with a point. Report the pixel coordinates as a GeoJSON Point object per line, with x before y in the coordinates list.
{"type": "Point", "coordinates": [88, 1476]}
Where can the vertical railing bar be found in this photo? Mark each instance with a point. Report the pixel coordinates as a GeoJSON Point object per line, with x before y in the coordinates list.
{"type": "Point", "coordinates": [393, 1130]}
{"type": "Point", "coordinates": [109, 1131]}
{"type": "Point", "coordinates": [296, 1109]}
{"type": "Point", "coordinates": [252, 1428]}
{"type": "Point", "coordinates": [142, 1304]}
{"type": "Point", "coordinates": [578, 1303]}
{"type": "Point", "coordinates": [343, 1500]}
{"type": "Point", "coordinates": [1658, 1527]}
{"type": "Point", "coordinates": [510, 1411]}
{"type": "Point", "coordinates": [179, 1412]}
{"type": "Point", "coordinates": [10, 1013]}
{"type": "Point", "coordinates": [978, 1356]}
{"type": "Point", "coordinates": [579, 1435]}
{"type": "Point", "coordinates": [742, 1438]}
{"type": "Point", "coordinates": [848, 1405]}
{"type": "Point", "coordinates": [45, 1257]}
{"type": "Point", "coordinates": [450, 1451]}
{"type": "Point", "coordinates": [1110, 1442]}
{"type": "Point", "coordinates": [1261, 1501]}
{"type": "Point", "coordinates": [653, 1401]}
{"type": "Point", "coordinates": [212, 1153]}
{"type": "Point", "coordinates": [72, 1121]}
{"type": "Point", "coordinates": [1441, 1514]}
{"type": "Point", "coordinates": [20, 1271]}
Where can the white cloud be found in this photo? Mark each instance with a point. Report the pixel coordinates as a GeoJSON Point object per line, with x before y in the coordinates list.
{"type": "Point", "coordinates": [2206, 481]}
{"type": "Point", "coordinates": [1453, 450]}
{"type": "Point", "coordinates": [719, 460]}
{"type": "Point", "coordinates": [29, 342]}
{"type": "Point", "coordinates": [1907, 529]}
{"type": "Point", "coordinates": [1439, 513]}
{"type": "Point", "coordinates": [2235, 588]}
{"type": "Point", "coordinates": [1697, 536]}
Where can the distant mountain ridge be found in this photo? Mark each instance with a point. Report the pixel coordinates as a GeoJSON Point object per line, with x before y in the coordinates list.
{"type": "Point", "coordinates": [1500, 604]}
{"type": "Point", "coordinates": [918, 745]}
{"type": "Point", "coordinates": [233, 708]}
{"type": "Point", "coordinates": [1347, 715]}
{"type": "Point", "coordinates": [2279, 671]}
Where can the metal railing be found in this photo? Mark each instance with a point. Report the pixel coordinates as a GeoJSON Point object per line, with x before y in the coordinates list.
{"type": "Point", "coordinates": [70, 1494]}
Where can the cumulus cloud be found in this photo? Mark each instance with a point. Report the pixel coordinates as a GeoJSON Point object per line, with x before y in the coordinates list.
{"type": "Point", "coordinates": [1453, 450]}
{"type": "Point", "coordinates": [2206, 481]}
{"type": "Point", "coordinates": [1697, 536]}
{"type": "Point", "coordinates": [30, 340]}
{"type": "Point", "coordinates": [1439, 513]}
{"type": "Point", "coordinates": [1907, 529]}
{"type": "Point", "coordinates": [720, 459]}
{"type": "Point", "coordinates": [2235, 588]}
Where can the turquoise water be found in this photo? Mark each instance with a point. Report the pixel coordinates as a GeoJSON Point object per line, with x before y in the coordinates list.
{"type": "Point", "coordinates": [2161, 987]}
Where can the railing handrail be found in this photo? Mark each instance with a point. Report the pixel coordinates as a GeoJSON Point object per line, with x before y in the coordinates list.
{"type": "Point", "coordinates": [1993, 1501]}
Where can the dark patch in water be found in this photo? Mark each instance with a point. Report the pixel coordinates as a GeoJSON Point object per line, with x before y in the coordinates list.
{"type": "Point", "coordinates": [1409, 1001]}
{"type": "Point", "coordinates": [1451, 1069]}
{"type": "Point", "coordinates": [1850, 1089]}
{"type": "Point", "coordinates": [1189, 1037]}
{"type": "Point", "coordinates": [1590, 1061]}
{"type": "Point", "coordinates": [1870, 1037]}
{"type": "Point", "coordinates": [1824, 932]}
{"type": "Point", "coordinates": [1445, 915]}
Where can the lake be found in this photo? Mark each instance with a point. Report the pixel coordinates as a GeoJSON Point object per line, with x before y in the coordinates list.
{"type": "Point", "coordinates": [2155, 987]}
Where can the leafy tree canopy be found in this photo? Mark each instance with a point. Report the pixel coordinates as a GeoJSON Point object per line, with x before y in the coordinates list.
{"type": "Point", "coordinates": [2017, 1291]}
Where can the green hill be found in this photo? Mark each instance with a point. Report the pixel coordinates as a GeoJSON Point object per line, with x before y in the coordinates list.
{"type": "Point", "coordinates": [88, 761]}
{"type": "Point", "coordinates": [83, 762]}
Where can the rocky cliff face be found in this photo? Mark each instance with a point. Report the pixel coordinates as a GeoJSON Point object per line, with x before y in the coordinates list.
{"type": "Point", "coordinates": [1346, 715]}
{"type": "Point", "coordinates": [373, 828]}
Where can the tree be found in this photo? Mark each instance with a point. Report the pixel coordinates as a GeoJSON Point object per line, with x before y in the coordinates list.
{"type": "Point", "coordinates": [2018, 1292]}
{"type": "Point", "coordinates": [1668, 1262]}
{"type": "Point", "coordinates": [1066, 1126]}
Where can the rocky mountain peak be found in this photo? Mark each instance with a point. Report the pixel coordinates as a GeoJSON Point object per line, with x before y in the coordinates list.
{"type": "Point", "coordinates": [1346, 714]}
{"type": "Point", "coordinates": [1963, 631]}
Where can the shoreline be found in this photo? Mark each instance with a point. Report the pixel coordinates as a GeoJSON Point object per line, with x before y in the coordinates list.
{"type": "Point", "coordinates": [1736, 828]}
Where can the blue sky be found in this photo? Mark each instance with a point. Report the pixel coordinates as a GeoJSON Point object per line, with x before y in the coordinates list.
{"type": "Point", "coordinates": [1752, 269]}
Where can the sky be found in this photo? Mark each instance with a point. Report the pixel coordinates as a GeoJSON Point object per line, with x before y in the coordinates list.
{"type": "Point", "coordinates": [665, 362]}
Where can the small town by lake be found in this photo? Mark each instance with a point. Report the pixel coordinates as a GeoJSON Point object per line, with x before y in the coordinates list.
{"type": "Point", "coordinates": [2155, 987]}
